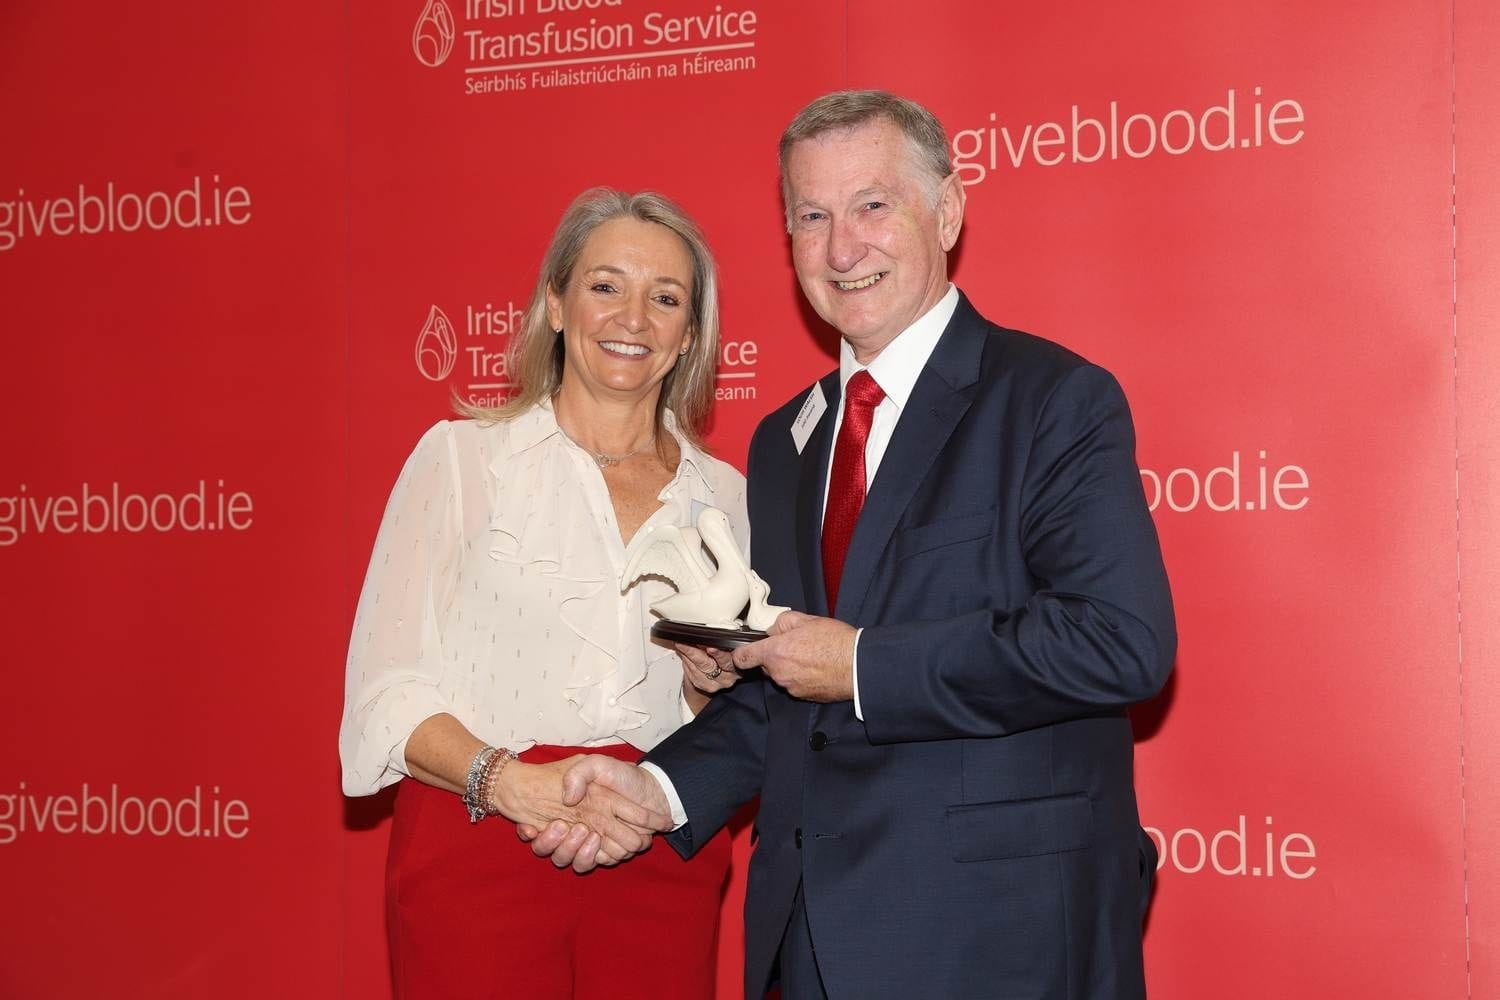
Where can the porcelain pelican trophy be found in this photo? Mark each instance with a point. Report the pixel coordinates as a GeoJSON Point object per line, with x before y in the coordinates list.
{"type": "Point", "coordinates": [708, 595]}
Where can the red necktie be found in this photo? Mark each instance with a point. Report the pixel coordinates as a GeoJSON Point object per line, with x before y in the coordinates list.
{"type": "Point", "coordinates": [846, 482]}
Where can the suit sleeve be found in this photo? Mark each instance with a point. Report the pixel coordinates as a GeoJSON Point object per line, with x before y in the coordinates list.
{"type": "Point", "coordinates": [1096, 635]}
{"type": "Point", "coordinates": [717, 761]}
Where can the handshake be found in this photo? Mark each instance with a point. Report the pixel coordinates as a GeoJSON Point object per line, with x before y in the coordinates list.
{"type": "Point", "coordinates": [586, 811]}
{"type": "Point", "coordinates": [593, 810]}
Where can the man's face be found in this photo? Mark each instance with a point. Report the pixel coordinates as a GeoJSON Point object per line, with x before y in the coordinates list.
{"type": "Point", "coordinates": [869, 246]}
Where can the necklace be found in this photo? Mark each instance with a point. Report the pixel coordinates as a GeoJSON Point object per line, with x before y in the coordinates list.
{"type": "Point", "coordinates": [605, 460]}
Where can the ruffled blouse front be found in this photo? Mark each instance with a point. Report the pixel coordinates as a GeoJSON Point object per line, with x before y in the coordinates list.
{"type": "Point", "coordinates": [493, 595]}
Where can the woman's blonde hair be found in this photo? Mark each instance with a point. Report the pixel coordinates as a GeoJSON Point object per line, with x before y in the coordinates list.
{"type": "Point", "coordinates": [535, 356]}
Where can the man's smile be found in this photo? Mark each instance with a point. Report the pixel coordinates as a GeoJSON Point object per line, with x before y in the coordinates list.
{"type": "Point", "coordinates": [866, 282]}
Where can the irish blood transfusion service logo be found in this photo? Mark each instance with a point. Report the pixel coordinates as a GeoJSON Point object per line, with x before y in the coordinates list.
{"type": "Point", "coordinates": [516, 45]}
{"type": "Point", "coordinates": [437, 345]}
{"type": "Point", "coordinates": [471, 353]}
{"type": "Point", "coordinates": [432, 38]}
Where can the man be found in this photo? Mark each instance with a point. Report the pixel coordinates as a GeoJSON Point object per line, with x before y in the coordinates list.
{"type": "Point", "coordinates": [939, 743]}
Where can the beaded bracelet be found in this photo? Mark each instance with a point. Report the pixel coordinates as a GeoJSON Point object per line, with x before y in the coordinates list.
{"type": "Point", "coordinates": [491, 778]}
{"type": "Point", "coordinates": [479, 786]}
{"type": "Point", "coordinates": [472, 783]}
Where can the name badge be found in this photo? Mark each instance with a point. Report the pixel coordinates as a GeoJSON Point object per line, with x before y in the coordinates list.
{"type": "Point", "coordinates": [807, 419]}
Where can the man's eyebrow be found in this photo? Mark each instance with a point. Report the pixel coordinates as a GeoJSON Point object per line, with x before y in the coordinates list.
{"type": "Point", "coordinates": [881, 190]}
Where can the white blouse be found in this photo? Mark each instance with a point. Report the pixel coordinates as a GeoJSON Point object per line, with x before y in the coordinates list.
{"type": "Point", "coordinates": [493, 594]}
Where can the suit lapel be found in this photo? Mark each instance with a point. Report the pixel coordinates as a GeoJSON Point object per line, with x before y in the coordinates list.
{"type": "Point", "coordinates": [811, 480]}
{"type": "Point", "coordinates": [941, 396]}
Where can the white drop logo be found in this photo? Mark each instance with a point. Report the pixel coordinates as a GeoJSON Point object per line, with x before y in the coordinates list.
{"type": "Point", "coordinates": [432, 38]}
{"type": "Point", "coordinates": [437, 346]}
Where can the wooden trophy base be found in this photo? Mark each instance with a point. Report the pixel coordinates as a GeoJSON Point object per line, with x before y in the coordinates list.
{"type": "Point", "coordinates": [704, 635]}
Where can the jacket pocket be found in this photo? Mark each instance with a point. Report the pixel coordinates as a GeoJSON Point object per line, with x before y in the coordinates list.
{"type": "Point", "coordinates": [948, 531]}
{"type": "Point", "coordinates": [1021, 828]}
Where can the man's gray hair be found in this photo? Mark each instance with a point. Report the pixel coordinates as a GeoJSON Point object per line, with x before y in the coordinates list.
{"type": "Point", "coordinates": [849, 109]}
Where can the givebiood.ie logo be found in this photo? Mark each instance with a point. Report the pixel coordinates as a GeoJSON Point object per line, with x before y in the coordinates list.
{"type": "Point", "coordinates": [432, 38]}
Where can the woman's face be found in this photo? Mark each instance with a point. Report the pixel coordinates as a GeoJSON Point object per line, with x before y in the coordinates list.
{"type": "Point", "coordinates": [624, 313]}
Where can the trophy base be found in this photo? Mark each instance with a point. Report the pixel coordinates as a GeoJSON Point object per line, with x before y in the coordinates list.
{"type": "Point", "coordinates": [704, 635]}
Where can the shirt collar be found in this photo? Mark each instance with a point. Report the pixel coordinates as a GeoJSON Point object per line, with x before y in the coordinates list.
{"type": "Point", "coordinates": [692, 457]}
{"type": "Point", "coordinates": [531, 428]}
{"type": "Point", "coordinates": [896, 368]}
{"type": "Point", "coordinates": [539, 424]}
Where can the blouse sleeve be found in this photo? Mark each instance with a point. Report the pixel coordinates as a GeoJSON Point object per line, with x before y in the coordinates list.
{"type": "Point", "coordinates": [395, 651]}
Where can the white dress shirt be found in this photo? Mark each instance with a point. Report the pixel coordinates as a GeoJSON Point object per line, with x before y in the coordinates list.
{"type": "Point", "coordinates": [895, 369]}
{"type": "Point", "coordinates": [493, 595]}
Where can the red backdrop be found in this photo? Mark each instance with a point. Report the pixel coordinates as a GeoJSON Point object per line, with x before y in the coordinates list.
{"type": "Point", "coordinates": [247, 254]}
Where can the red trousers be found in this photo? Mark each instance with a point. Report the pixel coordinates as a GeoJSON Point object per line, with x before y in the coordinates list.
{"type": "Point", "coordinates": [472, 913]}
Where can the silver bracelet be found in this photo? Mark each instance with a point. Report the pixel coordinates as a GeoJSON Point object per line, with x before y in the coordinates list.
{"type": "Point", "coordinates": [473, 799]}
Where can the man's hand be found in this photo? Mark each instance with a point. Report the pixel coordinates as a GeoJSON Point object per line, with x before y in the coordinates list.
{"type": "Point", "coordinates": [601, 826]}
{"type": "Point", "coordinates": [606, 782]}
{"type": "Point", "coordinates": [811, 657]}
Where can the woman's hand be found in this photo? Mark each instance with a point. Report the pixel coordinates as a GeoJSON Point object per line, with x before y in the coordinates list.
{"type": "Point", "coordinates": [567, 845]}
{"type": "Point", "coordinates": [705, 672]}
{"type": "Point", "coordinates": [610, 827]}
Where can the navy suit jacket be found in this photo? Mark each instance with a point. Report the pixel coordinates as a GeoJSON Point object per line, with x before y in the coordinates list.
{"type": "Point", "coordinates": [976, 835]}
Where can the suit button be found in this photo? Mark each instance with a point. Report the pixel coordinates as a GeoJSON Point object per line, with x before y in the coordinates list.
{"type": "Point", "coordinates": [797, 836]}
{"type": "Point", "coordinates": [818, 740]}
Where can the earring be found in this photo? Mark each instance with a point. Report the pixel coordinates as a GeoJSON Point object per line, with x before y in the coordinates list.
{"type": "Point", "coordinates": [682, 353]}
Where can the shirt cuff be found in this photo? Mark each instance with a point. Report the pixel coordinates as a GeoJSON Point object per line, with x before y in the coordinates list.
{"type": "Point", "coordinates": [679, 814]}
{"type": "Point", "coordinates": [858, 712]}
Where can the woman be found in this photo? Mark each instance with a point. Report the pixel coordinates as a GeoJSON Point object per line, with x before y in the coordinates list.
{"type": "Point", "coordinates": [492, 624]}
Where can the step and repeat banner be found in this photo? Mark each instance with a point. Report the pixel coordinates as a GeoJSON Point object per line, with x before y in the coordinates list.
{"type": "Point", "coordinates": [1477, 385]}
{"type": "Point", "coordinates": [247, 255]}
{"type": "Point", "coordinates": [173, 486]}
